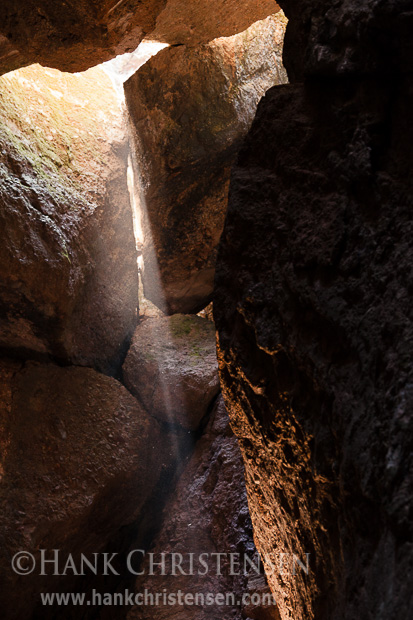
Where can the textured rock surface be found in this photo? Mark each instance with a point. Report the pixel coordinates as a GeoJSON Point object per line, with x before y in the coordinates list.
{"type": "Point", "coordinates": [80, 458]}
{"type": "Point", "coordinates": [71, 36]}
{"type": "Point", "coordinates": [68, 274]}
{"type": "Point", "coordinates": [208, 514]}
{"type": "Point", "coordinates": [190, 108]}
{"type": "Point", "coordinates": [201, 21]}
{"type": "Point", "coordinates": [77, 35]}
{"type": "Point", "coordinates": [347, 37]}
{"type": "Point", "coordinates": [315, 336]}
{"type": "Point", "coordinates": [171, 367]}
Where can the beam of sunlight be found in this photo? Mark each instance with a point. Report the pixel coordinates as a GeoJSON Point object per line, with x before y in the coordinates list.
{"type": "Point", "coordinates": [119, 69]}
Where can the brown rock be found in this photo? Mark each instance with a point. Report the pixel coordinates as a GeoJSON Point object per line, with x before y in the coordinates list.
{"type": "Point", "coordinates": [68, 273]}
{"type": "Point", "coordinates": [200, 21]}
{"type": "Point", "coordinates": [71, 36]}
{"type": "Point", "coordinates": [81, 459]}
{"type": "Point", "coordinates": [172, 368]}
{"type": "Point", "coordinates": [78, 35]}
{"type": "Point", "coordinates": [207, 514]}
{"type": "Point", "coordinates": [190, 109]}
{"type": "Point", "coordinates": [315, 335]}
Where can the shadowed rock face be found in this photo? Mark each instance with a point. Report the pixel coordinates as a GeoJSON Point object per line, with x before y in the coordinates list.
{"type": "Point", "coordinates": [313, 314]}
{"type": "Point", "coordinates": [171, 367]}
{"type": "Point", "coordinates": [73, 36]}
{"type": "Point", "coordinates": [347, 38]}
{"type": "Point", "coordinates": [207, 514]}
{"type": "Point", "coordinates": [80, 457]}
{"type": "Point", "coordinates": [190, 109]}
{"type": "Point", "coordinates": [68, 273]}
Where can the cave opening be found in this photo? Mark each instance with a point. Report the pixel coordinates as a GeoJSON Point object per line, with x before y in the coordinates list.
{"type": "Point", "coordinates": [311, 304]}
{"type": "Point", "coordinates": [108, 200]}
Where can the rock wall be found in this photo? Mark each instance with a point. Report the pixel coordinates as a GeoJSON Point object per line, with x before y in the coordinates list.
{"type": "Point", "coordinates": [313, 314]}
{"type": "Point", "coordinates": [68, 272]}
{"type": "Point", "coordinates": [86, 468]}
{"type": "Point", "coordinates": [190, 107]}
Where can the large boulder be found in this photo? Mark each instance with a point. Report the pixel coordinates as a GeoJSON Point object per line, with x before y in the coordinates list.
{"type": "Point", "coordinates": [171, 367]}
{"type": "Point", "coordinates": [207, 514]}
{"type": "Point", "coordinates": [74, 36]}
{"type": "Point", "coordinates": [71, 36]}
{"type": "Point", "coordinates": [68, 272]}
{"type": "Point", "coordinates": [80, 458]}
{"type": "Point", "coordinates": [314, 317]}
{"type": "Point", "coordinates": [190, 109]}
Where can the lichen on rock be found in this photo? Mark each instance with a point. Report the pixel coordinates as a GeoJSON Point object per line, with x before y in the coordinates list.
{"type": "Point", "coordinates": [68, 273]}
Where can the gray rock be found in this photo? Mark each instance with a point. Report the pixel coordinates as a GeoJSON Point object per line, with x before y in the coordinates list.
{"type": "Point", "coordinates": [345, 38]}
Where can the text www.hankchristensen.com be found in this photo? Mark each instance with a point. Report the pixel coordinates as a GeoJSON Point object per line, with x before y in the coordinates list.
{"type": "Point", "coordinates": [164, 598]}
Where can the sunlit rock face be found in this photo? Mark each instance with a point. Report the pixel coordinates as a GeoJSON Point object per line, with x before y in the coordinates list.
{"type": "Point", "coordinates": [68, 273]}
{"type": "Point", "coordinates": [80, 457]}
{"type": "Point", "coordinates": [74, 36]}
{"type": "Point", "coordinates": [190, 108]}
{"type": "Point", "coordinates": [171, 367]}
{"type": "Point", "coordinates": [315, 324]}
{"type": "Point", "coordinates": [207, 514]}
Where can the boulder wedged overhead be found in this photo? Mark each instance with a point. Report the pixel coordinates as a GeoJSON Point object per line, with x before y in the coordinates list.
{"type": "Point", "coordinates": [313, 314]}
{"type": "Point", "coordinates": [68, 272]}
{"type": "Point", "coordinates": [190, 107]}
{"type": "Point", "coordinates": [201, 21]}
{"type": "Point", "coordinates": [74, 36]}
